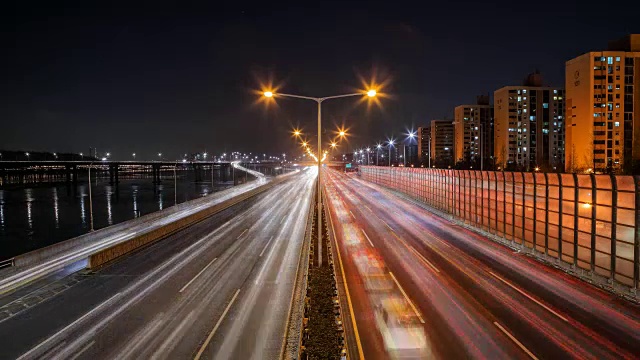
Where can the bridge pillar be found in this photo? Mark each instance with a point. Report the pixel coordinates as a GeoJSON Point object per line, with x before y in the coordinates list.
{"type": "Point", "coordinates": [68, 173]}
{"type": "Point", "coordinates": [156, 173]}
{"type": "Point", "coordinates": [74, 169]}
{"type": "Point", "coordinates": [116, 170]}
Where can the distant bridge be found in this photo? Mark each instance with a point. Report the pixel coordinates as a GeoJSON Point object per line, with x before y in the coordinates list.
{"type": "Point", "coordinates": [35, 172]}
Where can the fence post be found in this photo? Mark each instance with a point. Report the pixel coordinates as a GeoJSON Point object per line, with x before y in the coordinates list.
{"type": "Point", "coordinates": [614, 221]}
{"type": "Point", "coordinates": [575, 219]}
{"type": "Point", "coordinates": [546, 215]}
{"type": "Point", "coordinates": [535, 212]}
{"type": "Point", "coordinates": [524, 205]}
{"type": "Point", "coordinates": [560, 212]}
{"type": "Point", "coordinates": [504, 206]}
{"type": "Point", "coordinates": [636, 237]}
{"type": "Point", "coordinates": [593, 221]}
{"type": "Point", "coordinates": [464, 201]}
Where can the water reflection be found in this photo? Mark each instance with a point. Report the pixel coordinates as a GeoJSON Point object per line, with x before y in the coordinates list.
{"type": "Point", "coordinates": [135, 200]}
{"type": "Point", "coordinates": [36, 217]}
{"type": "Point", "coordinates": [83, 215]}
{"type": "Point", "coordinates": [108, 193]}
{"type": "Point", "coordinates": [29, 199]}
{"type": "Point", "coordinates": [2, 210]}
{"type": "Point", "coordinates": [56, 208]}
{"type": "Point", "coordinates": [160, 197]}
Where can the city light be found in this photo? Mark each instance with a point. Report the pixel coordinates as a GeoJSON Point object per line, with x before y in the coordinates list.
{"type": "Point", "coordinates": [371, 93]}
{"type": "Point", "coordinates": [333, 145]}
{"type": "Point", "coordinates": [268, 94]}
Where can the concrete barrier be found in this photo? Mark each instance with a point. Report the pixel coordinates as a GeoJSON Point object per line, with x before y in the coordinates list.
{"type": "Point", "coordinates": [109, 254]}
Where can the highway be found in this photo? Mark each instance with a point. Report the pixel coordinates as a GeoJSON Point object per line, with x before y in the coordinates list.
{"type": "Point", "coordinates": [423, 287]}
{"type": "Point", "coordinates": [219, 289]}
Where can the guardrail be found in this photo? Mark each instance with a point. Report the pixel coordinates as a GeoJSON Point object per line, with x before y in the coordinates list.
{"type": "Point", "coordinates": [588, 223]}
{"type": "Point", "coordinates": [6, 263]}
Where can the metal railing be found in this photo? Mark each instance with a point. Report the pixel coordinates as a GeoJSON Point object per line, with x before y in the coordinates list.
{"type": "Point", "coordinates": [6, 263]}
{"type": "Point", "coordinates": [587, 222]}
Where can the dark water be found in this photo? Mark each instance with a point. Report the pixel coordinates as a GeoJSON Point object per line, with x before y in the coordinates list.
{"type": "Point", "coordinates": [31, 218]}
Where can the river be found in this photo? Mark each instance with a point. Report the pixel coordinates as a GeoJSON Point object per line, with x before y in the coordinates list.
{"type": "Point", "coordinates": [32, 218]}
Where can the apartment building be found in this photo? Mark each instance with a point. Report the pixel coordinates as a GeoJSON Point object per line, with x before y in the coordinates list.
{"type": "Point", "coordinates": [529, 126]}
{"type": "Point", "coordinates": [473, 128]}
{"type": "Point", "coordinates": [603, 108]}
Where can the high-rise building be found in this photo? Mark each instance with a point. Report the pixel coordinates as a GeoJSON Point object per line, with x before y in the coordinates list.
{"type": "Point", "coordinates": [603, 108]}
{"type": "Point", "coordinates": [529, 126]}
{"type": "Point", "coordinates": [442, 141]}
{"type": "Point", "coordinates": [424, 136]}
{"type": "Point", "coordinates": [474, 132]}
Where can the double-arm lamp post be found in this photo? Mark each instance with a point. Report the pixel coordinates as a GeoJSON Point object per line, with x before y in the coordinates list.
{"type": "Point", "coordinates": [269, 94]}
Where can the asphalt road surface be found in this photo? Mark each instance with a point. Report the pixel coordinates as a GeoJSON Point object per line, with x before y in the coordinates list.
{"type": "Point", "coordinates": [219, 289]}
{"type": "Point", "coordinates": [421, 286]}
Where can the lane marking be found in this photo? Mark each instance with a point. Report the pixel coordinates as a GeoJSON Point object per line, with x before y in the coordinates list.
{"type": "Point", "coordinates": [529, 297]}
{"type": "Point", "coordinates": [515, 340]}
{"type": "Point", "coordinates": [85, 348]}
{"type": "Point", "coordinates": [200, 273]}
{"type": "Point", "coordinates": [416, 252]}
{"type": "Point", "coordinates": [413, 306]}
{"type": "Point", "coordinates": [346, 290]}
{"type": "Point", "coordinates": [284, 217]}
{"type": "Point", "coordinates": [354, 217]}
{"type": "Point", "coordinates": [390, 228]}
{"type": "Point", "coordinates": [427, 262]}
{"type": "Point", "coordinates": [367, 236]}
{"type": "Point", "coordinates": [239, 236]}
{"type": "Point", "coordinates": [28, 353]}
{"type": "Point", "coordinates": [368, 208]}
{"type": "Point", "coordinates": [266, 246]}
{"type": "Point", "coordinates": [208, 340]}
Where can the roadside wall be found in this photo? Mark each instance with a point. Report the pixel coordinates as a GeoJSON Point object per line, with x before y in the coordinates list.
{"type": "Point", "coordinates": [586, 222]}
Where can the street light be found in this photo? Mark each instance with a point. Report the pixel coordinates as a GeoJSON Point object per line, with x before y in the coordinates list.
{"type": "Point", "coordinates": [390, 143]}
{"type": "Point", "coordinates": [319, 101]}
{"type": "Point", "coordinates": [378, 147]}
{"type": "Point", "coordinates": [410, 136]}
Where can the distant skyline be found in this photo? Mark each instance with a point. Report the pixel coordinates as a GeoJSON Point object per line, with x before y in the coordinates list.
{"type": "Point", "coordinates": [156, 78]}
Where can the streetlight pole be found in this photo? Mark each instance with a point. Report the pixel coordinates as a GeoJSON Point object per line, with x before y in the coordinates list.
{"type": "Point", "coordinates": [319, 101]}
{"type": "Point", "coordinates": [175, 184]}
{"type": "Point", "coordinates": [429, 151]}
{"type": "Point", "coordinates": [90, 201]}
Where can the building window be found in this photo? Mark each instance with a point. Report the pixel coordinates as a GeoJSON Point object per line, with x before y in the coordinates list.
{"type": "Point", "coordinates": [616, 124]}
{"type": "Point", "coordinates": [545, 105]}
{"type": "Point", "coordinates": [610, 60]}
{"type": "Point", "coordinates": [617, 58]}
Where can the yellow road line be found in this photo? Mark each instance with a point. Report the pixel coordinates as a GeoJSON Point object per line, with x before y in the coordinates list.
{"type": "Point", "coordinates": [515, 340]}
{"type": "Point", "coordinates": [413, 306]}
{"type": "Point", "coordinates": [529, 297]}
{"type": "Point", "coordinates": [208, 340]}
{"type": "Point", "coordinates": [346, 289]}
{"type": "Point", "coordinates": [367, 236]}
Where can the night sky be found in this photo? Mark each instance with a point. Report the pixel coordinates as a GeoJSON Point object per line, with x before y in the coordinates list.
{"type": "Point", "coordinates": [179, 79]}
